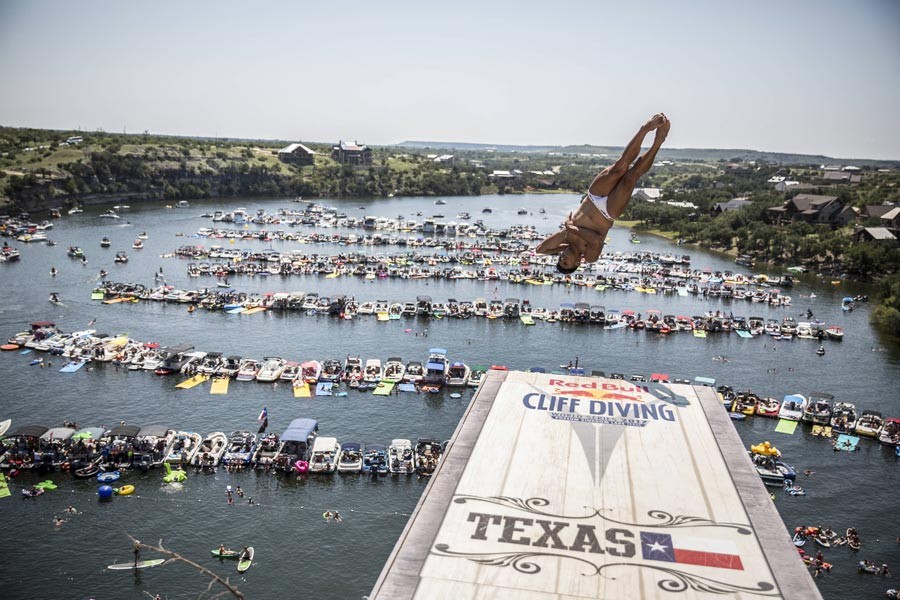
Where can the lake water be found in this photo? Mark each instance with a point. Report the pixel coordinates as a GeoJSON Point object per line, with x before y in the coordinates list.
{"type": "Point", "coordinates": [299, 554]}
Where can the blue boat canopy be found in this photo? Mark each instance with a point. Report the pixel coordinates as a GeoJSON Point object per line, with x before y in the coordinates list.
{"type": "Point", "coordinates": [435, 366]}
{"type": "Point", "coordinates": [299, 430]}
{"type": "Point", "coordinates": [438, 351]}
{"type": "Point", "coordinates": [794, 398]}
{"type": "Point", "coordinates": [350, 446]}
{"type": "Point", "coordinates": [705, 380]}
{"type": "Point", "coordinates": [457, 364]}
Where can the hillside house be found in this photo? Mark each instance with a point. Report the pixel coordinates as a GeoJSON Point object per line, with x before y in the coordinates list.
{"type": "Point", "coordinates": [352, 154]}
{"type": "Point", "coordinates": [733, 204]}
{"type": "Point", "coordinates": [812, 208]}
{"type": "Point", "coordinates": [648, 194]}
{"type": "Point", "coordinates": [296, 154]}
{"type": "Point", "coordinates": [874, 234]}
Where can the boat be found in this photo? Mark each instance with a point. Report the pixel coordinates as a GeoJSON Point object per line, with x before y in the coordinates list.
{"type": "Point", "coordinates": [241, 446]}
{"type": "Point", "coordinates": [211, 449]}
{"type": "Point", "coordinates": [835, 333]}
{"type": "Point", "coordinates": [771, 470]}
{"type": "Point", "coordinates": [869, 424]}
{"type": "Point", "coordinates": [109, 214]}
{"type": "Point", "coordinates": [414, 372]}
{"type": "Point", "coordinates": [244, 562]}
{"type": "Point", "coordinates": [271, 369]}
{"type": "Point", "coordinates": [331, 370]}
{"type": "Point", "coordinates": [142, 564]}
{"type": "Point", "coordinates": [296, 442]}
{"type": "Point", "coordinates": [476, 376]}
{"type": "Point", "coordinates": [818, 409]}
{"type": "Point", "coordinates": [104, 242]}
{"type": "Point", "coordinates": [768, 407]}
{"type": "Point", "coordinates": [182, 204]}
{"type": "Point", "coordinates": [375, 460]}
{"type": "Point", "coordinates": [324, 455]}
{"type": "Point", "coordinates": [151, 446]}
{"type": "Point", "coordinates": [310, 371]}
{"type": "Point", "coordinates": [394, 370]}
{"type": "Point", "coordinates": [427, 454]}
{"type": "Point", "coordinates": [372, 372]}
{"type": "Point", "coordinates": [291, 371]}
{"type": "Point", "coordinates": [230, 366]}
{"type": "Point", "coordinates": [352, 369]}
{"type": "Point", "coordinates": [226, 553]}
{"type": "Point", "coordinates": [458, 375]}
{"type": "Point", "coordinates": [847, 304]}
{"type": "Point", "coordinates": [137, 244]}
{"type": "Point", "coordinates": [143, 236]}
{"type": "Point", "coordinates": [843, 417]}
{"type": "Point", "coordinates": [890, 433]}
{"type": "Point", "coordinates": [184, 447]}
{"type": "Point", "coordinates": [745, 403]}
{"type": "Point", "coordinates": [248, 369]}
{"type": "Point", "coordinates": [175, 359]}
{"type": "Point", "coordinates": [75, 210]}
{"type": "Point", "coordinates": [400, 457]}
{"type": "Point", "coordinates": [266, 451]}
{"type": "Point", "coordinates": [792, 407]}
{"type": "Point", "coordinates": [211, 364]}
{"type": "Point", "coordinates": [436, 368]}
{"type": "Point", "coordinates": [350, 460]}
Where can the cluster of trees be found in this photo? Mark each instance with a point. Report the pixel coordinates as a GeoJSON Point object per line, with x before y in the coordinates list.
{"type": "Point", "coordinates": [886, 315]}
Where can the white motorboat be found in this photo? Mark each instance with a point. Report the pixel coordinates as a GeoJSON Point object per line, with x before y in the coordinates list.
{"type": "Point", "coordinates": [271, 369]}
{"type": "Point", "coordinates": [350, 459]}
{"type": "Point", "coordinates": [458, 374]}
{"type": "Point", "coordinates": [870, 424]}
{"type": "Point", "coordinates": [400, 457]}
{"type": "Point", "coordinates": [324, 455]}
{"type": "Point", "coordinates": [394, 370]}
{"type": "Point", "coordinates": [248, 369]}
{"type": "Point", "coordinates": [211, 450]}
{"type": "Point", "coordinates": [184, 447]}
{"type": "Point", "coordinates": [372, 372]}
{"type": "Point", "coordinates": [241, 447]}
{"type": "Point", "coordinates": [792, 407]}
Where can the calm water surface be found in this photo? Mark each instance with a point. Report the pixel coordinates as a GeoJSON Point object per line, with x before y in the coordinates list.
{"type": "Point", "coordinates": [298, 553]}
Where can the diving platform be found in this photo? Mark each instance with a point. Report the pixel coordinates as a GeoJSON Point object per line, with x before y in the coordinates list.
{"type": "Point", "coordinates": [559, 487]}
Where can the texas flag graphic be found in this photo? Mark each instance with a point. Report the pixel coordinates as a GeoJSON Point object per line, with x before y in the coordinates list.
{"type": "Point", "coordinates": [690, 551]}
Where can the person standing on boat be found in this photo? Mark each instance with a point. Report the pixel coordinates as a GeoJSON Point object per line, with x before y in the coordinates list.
{"type": "Point", "coordinates": [137, 552]}
{"type": "Point", "coordinates": [585, 231]}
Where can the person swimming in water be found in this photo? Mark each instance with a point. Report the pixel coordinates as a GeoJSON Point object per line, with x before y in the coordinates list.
{"type": "Point", "coordinates": [585, 231]}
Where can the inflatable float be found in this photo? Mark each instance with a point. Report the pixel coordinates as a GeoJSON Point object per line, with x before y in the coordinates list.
{"type": "Point", "coordinates": [301, 466]}
{"type": "Point", "coordinates": [108, 477]}
{"type": "Point", "coordinates": [173, 476]}
{"type": "Point", "coordinates": [125, 490]}
{"type": "Point", "coordinates": [765, 449]}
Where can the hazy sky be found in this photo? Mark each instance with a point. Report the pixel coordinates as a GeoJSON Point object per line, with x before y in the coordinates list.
{"type": "Point", "coordinates": [799, 76]}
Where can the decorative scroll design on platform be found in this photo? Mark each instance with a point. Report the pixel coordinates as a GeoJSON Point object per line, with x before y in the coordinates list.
{"type": "Point", "coordinates": [665, 519]}
{"type": "Point", "coordinates": [676, 581]}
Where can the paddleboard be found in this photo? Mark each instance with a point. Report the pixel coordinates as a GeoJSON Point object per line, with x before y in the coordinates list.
{"type": "Point", "coordinates": [235, 311]}
{"type": "Point", "coordinates": [255, 310]}
{"type": "Point", "coordinates": [8, 347]}
{"type": "Point", "coordinates": [97, 295]}
{"type": "Point", "coordinates": [383, 317]}
{"type": "Point", "coordinates": [331, 275]}
{"type": "Point", "coordinates": [699, 333]}
{"type": "Point", "coordinates": [72, 367]}
{"type": "Point", "coordinates": [114, 301]}
{"type": "Point", "coordinates": [36, 361]}
{"type": "Point", "coordinates": [324, 388]}
{"type": "Point", "coordinates": [26, 351]}
{"type": "Point", "coordinates": [219, 385]}
{"type": "Point", "coordinates": [526, 319]}
{"type": "Point", "coordinates": [744, 334]}
{"type": "Point", "coordinates": [4, 487]}
{"type": "Point", "coordinates": [245, 564]}
{"type": "Point", "coordinates": [143, 564]}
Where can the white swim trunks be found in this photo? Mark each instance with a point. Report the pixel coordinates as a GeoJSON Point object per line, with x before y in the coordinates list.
{"type": "Point", "coordinates": [600, 203]}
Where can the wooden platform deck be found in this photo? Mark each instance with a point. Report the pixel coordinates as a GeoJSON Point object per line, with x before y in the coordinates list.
{"type": "Point", "coordinates": [564, 488]}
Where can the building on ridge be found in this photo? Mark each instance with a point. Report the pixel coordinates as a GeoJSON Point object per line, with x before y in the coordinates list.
{"type": "Point", "coordinates": [352, 154]}
{"type": "Point", "coordinates": [296, 154]}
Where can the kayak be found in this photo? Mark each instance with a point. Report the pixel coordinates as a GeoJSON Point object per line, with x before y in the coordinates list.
{"type": "Point", "coordinates": [144, 564]}
{"type": "Point", "coordinates": [226, 554]}
{"type": "Point", "coordinates": [245, 563]}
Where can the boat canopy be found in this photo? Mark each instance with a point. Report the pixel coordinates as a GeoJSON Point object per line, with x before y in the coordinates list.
{"type": "Point", "coordinates": [39, 324]}
{"type": "Point", "coordinates": [705, 381]}
{"type": "Point", "coordinates": [423, 298]}
{"type": "Point", "coordinates": [124, 431]}
{"type": "Point", "coordinates": [428, 441]}
{"type": "Point", "coordinates": [401, 443]}
{"type": "Point", "coordinates": [154, 431]}
{"type": "Point", "coordinates": [324, 444]}
{"type": "Point", "coordinates": [172, 350]}
{"type": "Point", "coordinates": [437, 351]}
{"type": "Point", "coordinates": [433, 366]}
{"type": "Point", "coordinates": [375, 447]}
{"type": "Point", "coordinates": [537, 370]}
{"type": "Point", "coordinates": [797, 398]}
{"type": "Point", "coordinates": [457, 364]}
{"type": "Point", "coordinates": [89, 433]}
{"type": "Point", "coordinates": [660, 377]}
{"type": "Point", "coordinates": [350, 446]}
{"type": "Point", "coordinates": [299, 430]}
{"type": "Point", "coordinates": [58, 433]}
{"type": "Point", "coordinates": [29, 431]}
{"type": "Point", "coordinates": [395, 359]}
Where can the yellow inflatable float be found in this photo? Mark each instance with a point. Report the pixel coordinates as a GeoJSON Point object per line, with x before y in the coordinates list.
{"type": "Point", "coordinates": [766, 449]}
{"type": "Point", "coordinates": [125, 490]}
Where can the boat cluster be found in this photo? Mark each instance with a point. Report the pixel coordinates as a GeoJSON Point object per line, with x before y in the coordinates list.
{"type": "Point", "coordinates": [839, 421]}
{"type": "Point", "coordinates": [101, 453]}
{"type": "Point", "coordinates": [348, 308]}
